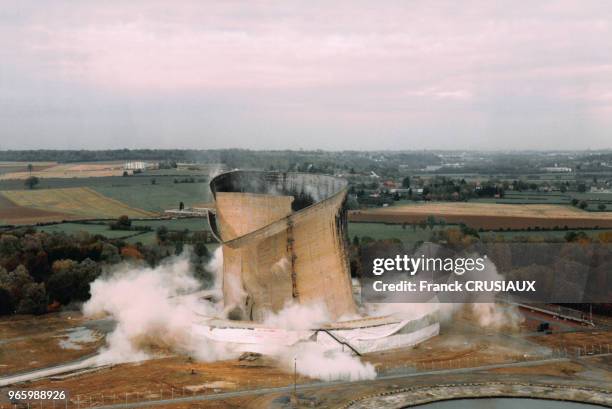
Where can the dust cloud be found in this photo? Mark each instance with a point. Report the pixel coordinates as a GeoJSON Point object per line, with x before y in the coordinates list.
{"type": "Point", "coordinates": [155, 310]}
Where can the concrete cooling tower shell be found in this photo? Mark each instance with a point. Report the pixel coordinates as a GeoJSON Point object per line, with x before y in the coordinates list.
{"type": "Point", "coordinates": [284, 240]}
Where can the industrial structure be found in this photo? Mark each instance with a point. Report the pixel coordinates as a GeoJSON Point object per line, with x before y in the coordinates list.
{"type": "Point", "coordinates": [284, 238]}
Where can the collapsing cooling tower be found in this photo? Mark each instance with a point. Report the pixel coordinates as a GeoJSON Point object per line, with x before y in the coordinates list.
{"type": "Point", "coordinates": [284, 240]}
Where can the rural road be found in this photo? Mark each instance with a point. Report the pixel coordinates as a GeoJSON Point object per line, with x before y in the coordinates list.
{"type": "Point", "coordinates": [83, 363]}
{"type": "Point", "coordinates": [318, 385]}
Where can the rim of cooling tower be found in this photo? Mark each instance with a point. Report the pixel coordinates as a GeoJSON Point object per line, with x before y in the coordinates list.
{"type": "Point", "coordinates": [326, 188]}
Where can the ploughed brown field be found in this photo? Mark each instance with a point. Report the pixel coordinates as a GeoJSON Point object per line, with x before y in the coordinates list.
{"type": "Point", "coordinates": [14, 214]}
{"type": "Point", "coordinates": [54, 205]}
{"type": "Point", "coordinates": [487, 215]}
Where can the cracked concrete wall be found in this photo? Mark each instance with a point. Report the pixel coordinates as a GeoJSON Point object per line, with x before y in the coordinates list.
{"type": "Point", "coordinates": [279, 251]}
{"type": "Point", "coordinates": [251, 266]}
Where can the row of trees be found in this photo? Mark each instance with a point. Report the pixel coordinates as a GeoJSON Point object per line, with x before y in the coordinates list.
{"type": "Point", "coordinates": [385, 164]}
{"type": "Point", "coordinates": [583, 204]}
{"type": "Point", "coordinates": [40, 271]}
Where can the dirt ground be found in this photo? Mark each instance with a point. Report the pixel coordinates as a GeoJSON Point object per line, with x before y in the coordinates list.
{"type": "Point", "coordinates": [449, 350]}
{"type": "Point", "coordinates": [487, 215]}
{"type": "Point", "coordinates": [32, 342]}
{"type": "Point", "coordinates": [461, 344]}
{"type": "Point", "coordinates": [563, 369]}
{"type": "Point", "coordinates": [235, 403]}
{"type": "Point", "coordinates": [590, 342]}
{"type": "Point", "coordinates": [337, 396]}
{"type": "Point", "coordinates": [181, 376]}
{"type": "Point", "coordinates": [175, 376]}
{"type": "Point", "coordinates": [533, 319]}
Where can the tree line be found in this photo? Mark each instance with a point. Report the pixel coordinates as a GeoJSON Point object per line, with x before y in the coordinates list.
{"type": "Point", "coordinates": [42, 271]}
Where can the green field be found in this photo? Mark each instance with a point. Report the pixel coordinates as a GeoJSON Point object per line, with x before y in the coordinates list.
{"type": "Point", "coordinates": [71, 228]}
{"type": "Point", "coordinates": [549, 234]}
{"type": "Point", "coordinates": [165, 176]}
{"type": "Point", "coordinates": [158, 197]}
{"type": "Point", "coordinates": [527, 197]}
{"type": "Point", "coordinates": [374, 230]}
{"type": "Point", "coordinates": [136, 191]}
{"type": "Point", "coordinates": [593, 199]}
{"type": "Point", "coordinates": [529, 177]}
{"type": "Point", "coordinates": [147, 237]}
{"type": "Point", "coordinates": [191, 224]}
{"type": "Point", "coordinates": [381, 231]}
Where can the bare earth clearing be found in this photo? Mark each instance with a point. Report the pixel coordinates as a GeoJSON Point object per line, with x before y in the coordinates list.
{"type": "Point", "coordinates": [30, 342]}
{"type": "Point", "coordinates": [460, 345]}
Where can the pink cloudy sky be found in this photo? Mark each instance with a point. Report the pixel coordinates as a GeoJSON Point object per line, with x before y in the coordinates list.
{"type": "Point", "coordinates": [306, 74]}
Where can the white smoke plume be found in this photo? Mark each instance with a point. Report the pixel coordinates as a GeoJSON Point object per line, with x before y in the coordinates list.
{"type": "Point", "coordinates": [497, 317]}
{"type": "Point", "coordinates": [215, 170]}
{"type": "Point", "coordinates": [156, 308]}
{"type": "Point", "coordinates": [402, 310]}
{"type": "Point", "coordinates": [492, 315]}
{"type": "Point", "coordinates": [314, 361]}
{"type": "Point", "coordinates": [215, 265]}
{"type": "Point", "coordinates": [152, 307]}
{"type": "Point", "coordinates": [298, 316]}
{"type": "Point", "coordinates": [486, 314]}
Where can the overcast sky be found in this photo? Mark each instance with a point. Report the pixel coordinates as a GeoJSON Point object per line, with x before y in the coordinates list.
{"type": "Point", "coordinates": [306, 74]}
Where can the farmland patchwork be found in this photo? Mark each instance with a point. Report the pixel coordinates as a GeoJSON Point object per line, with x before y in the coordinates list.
{"type": "Point", "coordinates": [34, 206]}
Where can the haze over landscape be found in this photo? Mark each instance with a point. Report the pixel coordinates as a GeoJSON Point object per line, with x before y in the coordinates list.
{"type": "Point", "coordinates": [305, 204]}
{"type": "Point", "coordinates": [306, 74]}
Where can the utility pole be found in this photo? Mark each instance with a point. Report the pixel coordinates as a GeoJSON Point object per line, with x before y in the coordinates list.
{"type": "Point", "coordinates": [294, 399]}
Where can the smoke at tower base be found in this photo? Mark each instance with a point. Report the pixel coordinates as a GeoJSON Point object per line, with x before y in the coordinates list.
{"type": "Point", "coordinates": [155, 309]}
